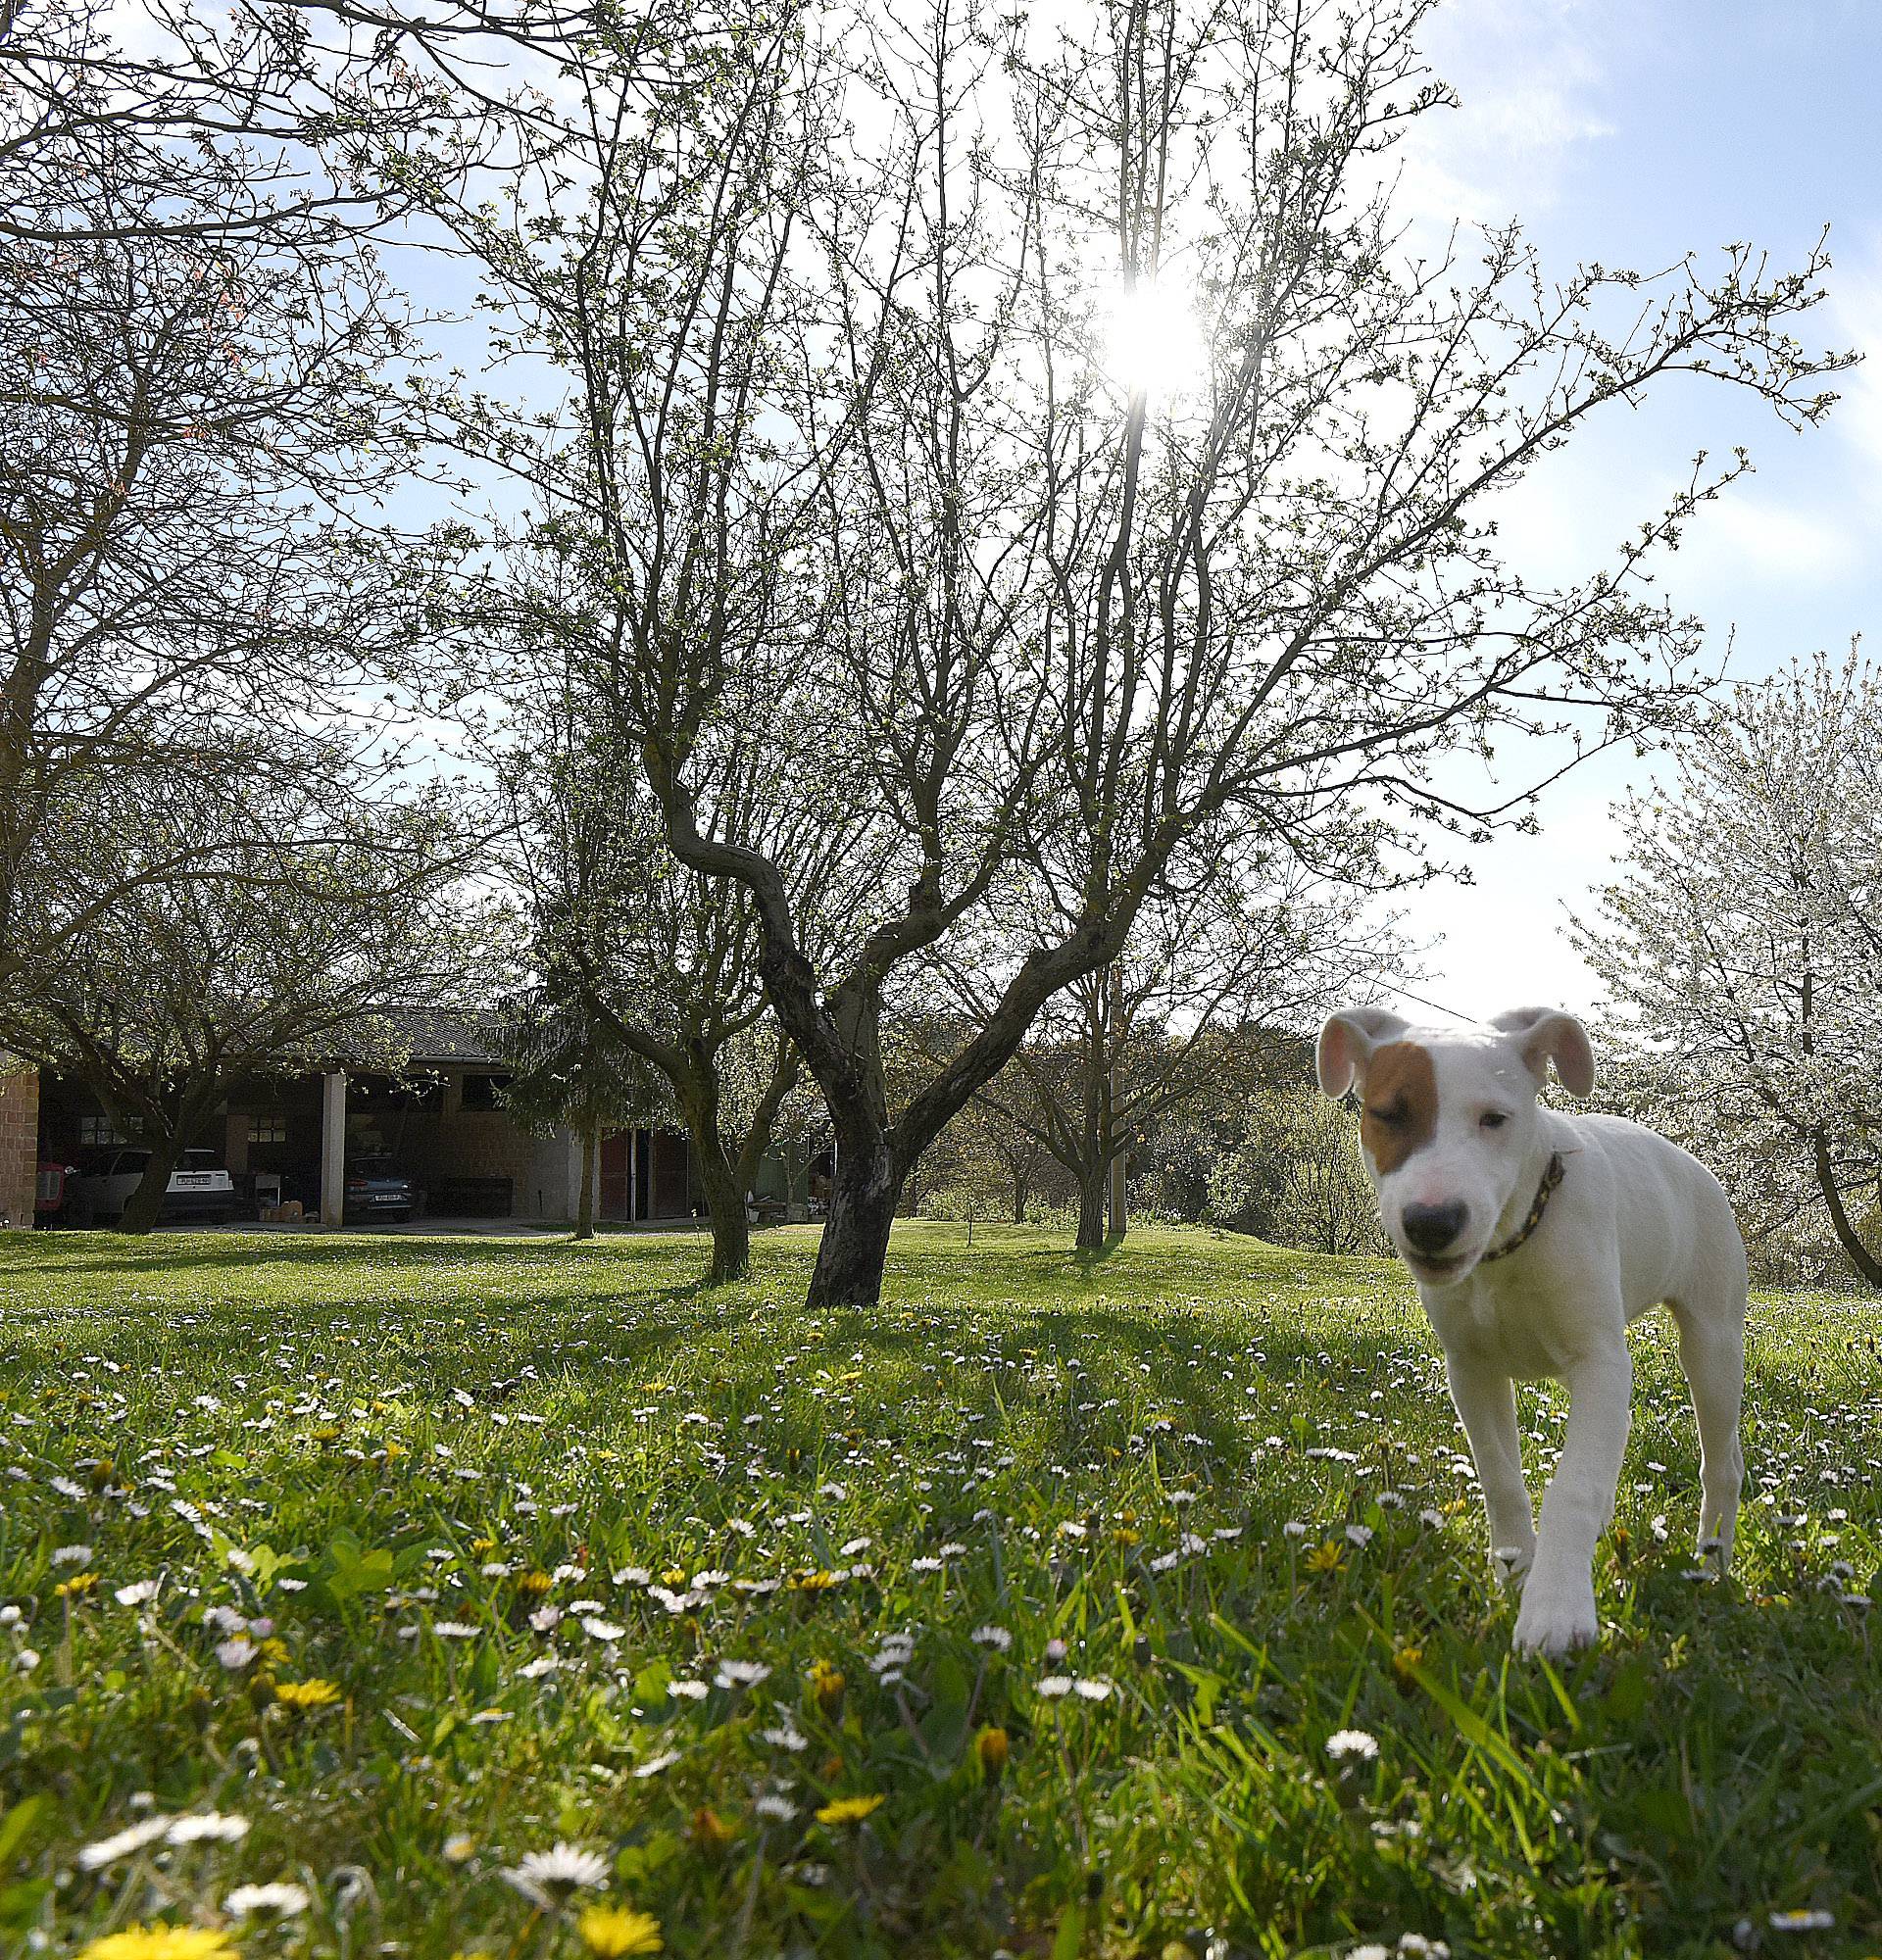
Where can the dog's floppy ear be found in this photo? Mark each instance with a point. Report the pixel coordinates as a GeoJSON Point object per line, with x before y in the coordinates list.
{"type": "Point", "coordinates": [1347, 1042]}
{"type": "Point", "coordinates": [1546, 1035]}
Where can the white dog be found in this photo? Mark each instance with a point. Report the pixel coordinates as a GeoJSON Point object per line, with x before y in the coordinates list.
{"type": "Point", "coordinates": [1535, 1238]}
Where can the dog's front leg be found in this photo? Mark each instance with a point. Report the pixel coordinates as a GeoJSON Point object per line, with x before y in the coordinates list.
{"type": "Point", "coordinates": [1486, 1401]}
{"type": "Point", "coordinates": [1559, 1604]}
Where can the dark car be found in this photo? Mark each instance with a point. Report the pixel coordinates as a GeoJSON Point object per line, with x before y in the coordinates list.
{"type": "Point", "coordinates": [375, 1188]}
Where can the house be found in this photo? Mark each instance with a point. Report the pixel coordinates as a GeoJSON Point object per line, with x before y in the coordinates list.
{"type": "Point", "coordinates": [441, 1119]}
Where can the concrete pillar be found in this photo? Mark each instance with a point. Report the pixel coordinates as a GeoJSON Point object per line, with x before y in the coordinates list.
{"type": "Point", "coordinates": [633, 1174]}
{"type": "Point", "coordinates": [334, 1148]}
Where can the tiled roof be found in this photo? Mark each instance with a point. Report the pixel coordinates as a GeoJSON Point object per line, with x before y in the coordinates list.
{"type": "Point", "coordinates": [444, 1034]}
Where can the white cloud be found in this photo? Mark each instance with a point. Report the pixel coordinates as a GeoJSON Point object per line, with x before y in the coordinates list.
{"type": "Point", "coordinates": [1855, 317]}
{"type": "Point", "coordinates": [1743, 535]}
{"type": "Point", "coordinates": [1527, 80]}
{"type": "Point", "coordinates": [1502, 940]}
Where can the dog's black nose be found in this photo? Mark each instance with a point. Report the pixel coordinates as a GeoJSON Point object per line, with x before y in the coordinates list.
{"type": "Point", "coordinates": [1431, 1228]}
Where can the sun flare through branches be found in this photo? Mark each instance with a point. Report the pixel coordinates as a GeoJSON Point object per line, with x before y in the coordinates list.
{"type": "Point", "coordinates": [1153, 343]}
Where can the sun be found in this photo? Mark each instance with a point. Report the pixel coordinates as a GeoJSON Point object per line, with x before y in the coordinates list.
{"type": "Point", "coordinates": [1153, 342]}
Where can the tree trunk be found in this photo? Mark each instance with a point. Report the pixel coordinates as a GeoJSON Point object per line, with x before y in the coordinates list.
{"type": "Point", "coordinates": [1092, 1182]}
{"type": "Point", "coordinates": [718, 1179]}
{"type": "Point", "coordinates": [1861, 1257]}
{"type": "Point", "coordinates": [856, 1236]}
{"type": "Point", "coordinates": [585, 1202]}
{"type": "Point", "coordinates": [1021, 1191]}
{"type": "Point", "coordinates": [726, 1206]}
{"type": "Point", "coordinates": [145, 1204]}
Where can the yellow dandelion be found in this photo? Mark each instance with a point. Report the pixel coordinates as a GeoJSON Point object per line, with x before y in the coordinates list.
{"type": "Point", "coordinates": [394, 1450]}
{"type": "Point", "coordinates": [302, 1695]}
{"type": "Point", "coordinates": [613, 1933]}
{"type": "Point", "coordinates": [813, 1581]}
{"type": "Point", "coordinates": [711, 1832]}
{"type": "Point", "coordinates": [850, 1809]}
{"type": "Point", "coordinates": [1326, 1557]}
{"type": "Point", "coordinates": [992, 1747]}
{"type": "Point", "coordinates": [479, 1546]}
{"type": "Point", "coordinates": [826, 1683]}
{"type": "Point", "coordinates": [536, 1583]}
{"type": "Point", "coordinates": [161, 1943]}
{"type": "Point", "coordinates": [78, 1586]}
{"type": "Point", "coordinates": [1406, 1662]}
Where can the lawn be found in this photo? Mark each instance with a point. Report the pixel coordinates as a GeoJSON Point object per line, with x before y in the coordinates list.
{"type": "Point", "coordinates": [1067, 1606]}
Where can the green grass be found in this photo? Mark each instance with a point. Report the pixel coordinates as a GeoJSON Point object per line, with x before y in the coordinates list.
{"type": "Point", "coordinates": [380, 1445]}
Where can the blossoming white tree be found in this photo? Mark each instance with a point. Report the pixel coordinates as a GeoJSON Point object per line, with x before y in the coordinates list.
{"type": "Point", "coordinates": [1744, 942]}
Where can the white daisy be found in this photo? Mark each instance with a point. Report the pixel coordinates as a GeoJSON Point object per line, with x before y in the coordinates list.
{"type": "Point", "coordinates": [740, 1673]}
{"type": "Point", "coordinates": [210, 1826]}
{"type": "Point", "coordinates": [122, 1844]}
{"type": "Point", "coordinates": [1351, 1745]}
{"type": "Point", "coordinates": [276, 1901]}
{"type": "Point", "coordinates": [552, 1878]}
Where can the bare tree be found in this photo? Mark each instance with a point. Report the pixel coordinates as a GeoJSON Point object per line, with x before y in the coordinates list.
{"type": "Point", "coordinates": [1743, 942]}
{"type": "Point", "coordinates": [1220, 957]}
{"type": "Point", "coordinates": [184, 426]}
{"type": "Point", "coordinates": [1037, 590]}
{"type": "Point", "coordinates": [648, 961]}
{"type": "Point", "coordinates": [1259, 602]}
{"type": "Point", "coordinates": [183, 989]}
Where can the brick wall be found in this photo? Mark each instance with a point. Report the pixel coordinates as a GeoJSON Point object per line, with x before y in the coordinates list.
{"type": "Point", "coordinates": [18, 1146]}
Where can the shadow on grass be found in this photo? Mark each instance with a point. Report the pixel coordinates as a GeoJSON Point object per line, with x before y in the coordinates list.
{"type": "Point", "coordinates": [101, 1255]}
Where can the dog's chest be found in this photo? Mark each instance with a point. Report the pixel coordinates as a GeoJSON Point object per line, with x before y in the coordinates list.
{"type": "Point", "coordinates": [1526, 1328]}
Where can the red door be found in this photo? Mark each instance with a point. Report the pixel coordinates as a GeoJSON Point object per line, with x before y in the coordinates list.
{"type": "Point", "coordinates": [616, 1190]}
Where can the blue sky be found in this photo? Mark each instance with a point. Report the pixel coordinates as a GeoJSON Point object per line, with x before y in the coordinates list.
{"type": "Point", "coordinates": [1631, 133]}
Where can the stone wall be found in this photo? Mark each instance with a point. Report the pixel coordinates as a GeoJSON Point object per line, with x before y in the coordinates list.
{"type": "Point", "coordinates": [18, 1146]}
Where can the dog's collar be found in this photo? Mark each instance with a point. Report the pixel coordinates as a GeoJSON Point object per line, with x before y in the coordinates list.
{"type": "Point", "coordinates": [1550, 1177]}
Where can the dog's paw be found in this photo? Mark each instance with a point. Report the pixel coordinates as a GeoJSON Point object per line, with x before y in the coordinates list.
{"type": "Point", "coordinates": [1555, 1621]}
{"type": "Point", "coordinates": [1715, 1552]}
{"type": "Point", "coordinates": [1511, 1563]}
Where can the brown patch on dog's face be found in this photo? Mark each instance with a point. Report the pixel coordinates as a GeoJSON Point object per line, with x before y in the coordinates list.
{"type": "Point", "coordinates": [1400, 1110]}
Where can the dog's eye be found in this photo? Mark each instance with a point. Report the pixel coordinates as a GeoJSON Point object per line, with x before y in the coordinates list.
{"type": "Point", "coordinates": [1492, 1119]}
{"type": "Point", "coordinates": [1391, 1117]}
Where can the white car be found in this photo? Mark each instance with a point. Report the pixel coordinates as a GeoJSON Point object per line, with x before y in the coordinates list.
{"type": "Point", "coordinates": [199, 1188]}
